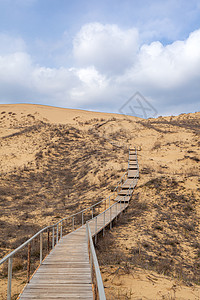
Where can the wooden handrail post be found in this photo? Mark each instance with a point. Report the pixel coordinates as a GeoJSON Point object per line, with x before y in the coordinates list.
{"type": "Point", "coordinates": [29, 263]}
{"type": "Point", "coordinates": [82, 218]}
{"type": "Point", "coordinates": [9, 278]}
{"type": "Point", "coordinates": [92, 213]}
{"type": "Point", "coordinates": [104, 222]}
{"type": "Point", "coordinates": [40, 248]}
{"type": "Point", "coordinates": [53, 237]}
{"type": "Point", "coordinates": [57, 233]}
{"type": "Point", "coordinates": [73, 223]}
{"type": "Point", "coordinates": [61, 227]}
{"type": "Point", "coordinates": [96, 230]}
{"type": "Point", "coordinates": [48, 240]}
{"type": "Point", "coordinates": [110, 217]}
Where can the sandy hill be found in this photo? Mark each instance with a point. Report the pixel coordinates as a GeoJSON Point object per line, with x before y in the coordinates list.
{"type": "Point", "coordinates": [55, 161]}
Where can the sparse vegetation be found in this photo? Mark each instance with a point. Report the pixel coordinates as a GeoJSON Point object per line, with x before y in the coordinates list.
{"type": "Point", "coordinates": [52, 170]}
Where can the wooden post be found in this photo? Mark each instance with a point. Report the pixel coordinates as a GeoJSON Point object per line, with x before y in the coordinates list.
{"type": "Point", "coordinates": [53, 237]}
{"type": "Point", "coordinates": [48, 240]}
{"type": "Point", "coordinates": [40, 248]}
{"type": "Point", "coordinates": [82, 219]}
{"type": "Point", "coordinates": [73, 223]}
{"type": "Point", "coordinates": [60, 230]}
{"type": "Point", "coordinates": [110, 218]}
{"type": "Point", "coordinates": [96, 230]}
{"type": "Point", "coordinates": [29, 263]}
{"type": "Point", "coordinates": [9, 278]}
{"type": "Point", "coordinates": [57, 233]}
{"type": "Point", "coordinates": [104, 222]}
{"type": "Point", "coordinates": [96, 289]}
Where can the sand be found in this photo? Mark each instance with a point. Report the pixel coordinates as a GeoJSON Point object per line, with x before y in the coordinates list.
{"type": "Point", "coordinates": [40, 144]}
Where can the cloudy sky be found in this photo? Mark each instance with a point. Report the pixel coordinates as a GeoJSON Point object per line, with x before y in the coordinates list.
{"type": "Point", "coordinates": [96, 55]}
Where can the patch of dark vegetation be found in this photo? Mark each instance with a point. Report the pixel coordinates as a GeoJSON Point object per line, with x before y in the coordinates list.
{"type": "Point", "coordinates": [29, 129]}
{"type": "Point", "coordinates": [146, 170]}
{"type": "Point", "coordinates": [196, 159]}
{"type": "Point", "coordinates": [160, 244]}
{"type": "Point", "coordinates": [59, 183]}
{"type": "Point", "coordinates": [105, 246]}
{"type": "Point", "coordinates": [149, 124]}
{"type": "Point", "coordinates": [156, 146]}
{"type": "Point", "coordinates": [161, 183]}
{"type": "Point", "coordinates": [186, 123]}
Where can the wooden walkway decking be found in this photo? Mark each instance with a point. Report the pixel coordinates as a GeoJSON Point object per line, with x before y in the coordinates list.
{"type": "Point", "coordinates": [66, 271]}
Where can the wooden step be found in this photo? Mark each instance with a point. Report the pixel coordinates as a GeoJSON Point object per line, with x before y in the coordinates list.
{"type": "Point", "coordinates": [133, 174]}
{"type": "Point", "coordinates": [133, 167]}
{"type": "Point", "coordinates": [125, 192]}
{"type": "Point", "coordinates": [66, 273]}
{"type": "Point", "coordinates": [132, 156]}
{"type": "Point", "coordinates": [129, 183]}
{"type": "Point", "coordinates": [122, 198]}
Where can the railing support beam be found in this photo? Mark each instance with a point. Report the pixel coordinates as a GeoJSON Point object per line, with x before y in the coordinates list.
{"type": "Point", "coordinates": [40, 248]}
{"type": "Point", "coordinates": [29, 263]}
{"type": "Point", "coordinates": [53, 237]}
{"type": "Point", "coordinates": [9, 278]}
{"type": "Point", "coordinates": [57, 233]}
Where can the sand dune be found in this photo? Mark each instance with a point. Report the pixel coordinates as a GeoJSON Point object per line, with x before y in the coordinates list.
{"type": "Point", "coordinates": [54, 161]}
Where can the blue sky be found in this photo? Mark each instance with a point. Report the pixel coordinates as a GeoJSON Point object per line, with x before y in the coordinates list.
{"type": "Point", "coordinates": [96, 54]}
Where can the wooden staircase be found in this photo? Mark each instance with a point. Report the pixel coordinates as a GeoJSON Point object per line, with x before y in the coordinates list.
{"type": "Point", "coordinates": [67, 272]}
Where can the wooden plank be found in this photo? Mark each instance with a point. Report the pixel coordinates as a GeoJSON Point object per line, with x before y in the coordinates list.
{"type": "Point", "coordinates": [129, 183]}
{"type": "Point", "coordinates": [132, 173]}
{"type": "Point", "coordinates": [65, 273]}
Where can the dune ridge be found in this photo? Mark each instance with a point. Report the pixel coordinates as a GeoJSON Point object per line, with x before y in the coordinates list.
{"type": "Point", "coordinates": [55, 161]}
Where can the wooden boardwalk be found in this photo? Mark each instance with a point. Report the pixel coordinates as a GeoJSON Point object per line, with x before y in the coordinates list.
{"type": "Point", "coordinates": [66, 271]}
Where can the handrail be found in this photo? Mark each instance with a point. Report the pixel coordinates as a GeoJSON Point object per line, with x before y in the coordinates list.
{"type": "Point", "coordinates": [56, 224]}
{"type": "Point", "coordinates": [119, 201]}
{"type": "Point", "coordinates": [91, 249]}
{"type": "Point", "coordinates": [9, 256]}
{"type": "Point", "coordinates": [23, 245]}
{"type": "Point", "coordinates": [94, 261]}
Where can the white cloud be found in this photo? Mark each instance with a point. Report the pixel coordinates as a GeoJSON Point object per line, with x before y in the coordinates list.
{"type": "Point", "coordinates": [107, 47]}
{"type": "Point", "coordinates": [15, 68]}
{"type": "Point", "coordinates": [168, 75]}
{"type": "Point", "coordinates": [170, 66]}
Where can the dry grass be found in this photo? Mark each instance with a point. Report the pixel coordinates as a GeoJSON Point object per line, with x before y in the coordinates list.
{"type": "Point", "coordinates": [50, 170]}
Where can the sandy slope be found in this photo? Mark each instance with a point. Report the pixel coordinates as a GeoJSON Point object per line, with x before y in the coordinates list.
{"type": "Point", "coordinates": [48, 152]}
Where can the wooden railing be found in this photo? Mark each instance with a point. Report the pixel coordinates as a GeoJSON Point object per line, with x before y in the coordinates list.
{"type": "Point", "coordinates": [55, 232]}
